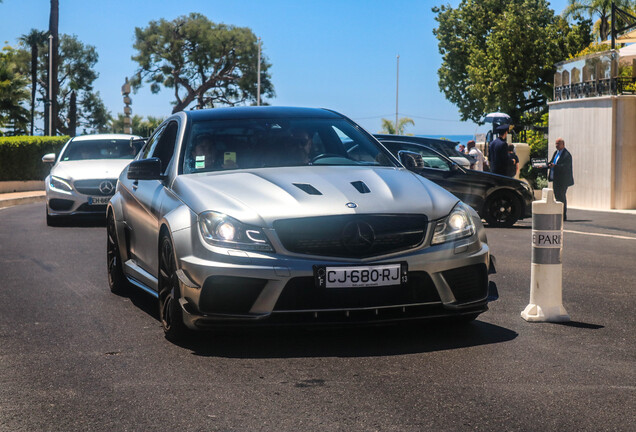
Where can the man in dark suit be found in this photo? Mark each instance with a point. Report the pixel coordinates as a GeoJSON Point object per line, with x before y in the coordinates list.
{"type": "Point", "coordinates": [561, 173]}
{"type": "Point", "coordinates": [498, 151]}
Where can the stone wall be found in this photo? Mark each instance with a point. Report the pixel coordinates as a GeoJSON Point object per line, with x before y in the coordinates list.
{"type": "Point", "coordinates": [600, 132]}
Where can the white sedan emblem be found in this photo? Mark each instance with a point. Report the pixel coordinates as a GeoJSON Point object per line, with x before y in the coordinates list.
{"type": "Point", "coordinates": [106, 187]}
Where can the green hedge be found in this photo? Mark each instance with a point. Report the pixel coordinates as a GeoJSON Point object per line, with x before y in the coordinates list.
{"type": "Point", "coordinates": [21, 156]}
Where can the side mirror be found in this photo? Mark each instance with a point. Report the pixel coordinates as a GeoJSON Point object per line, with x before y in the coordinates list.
{"type": "Point", "coordinates": [145, 169]}
{"type": "Point", "coordinates": [411, 160]}
{"type": "Point", "coordinates": [48, 158]}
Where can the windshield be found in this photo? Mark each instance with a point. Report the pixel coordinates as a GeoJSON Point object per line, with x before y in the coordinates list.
{"type": "Point", "coordinates": [261, 143]}
{"type": "Point", "coordinates": [101, 149]}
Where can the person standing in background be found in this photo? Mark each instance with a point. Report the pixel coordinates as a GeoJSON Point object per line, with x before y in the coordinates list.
{"type": "Point", "coordinates": [476, 154]}
{"type": "Point", "coordinates": [498, 152]}
{"type": "Point", "coordinates": [561, 173]}
{"type": "Point", "coordinates": [514, 161]}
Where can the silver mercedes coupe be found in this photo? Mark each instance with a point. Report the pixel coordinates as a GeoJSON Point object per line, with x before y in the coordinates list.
{"type": "Point", "coordinates": [273, 215]}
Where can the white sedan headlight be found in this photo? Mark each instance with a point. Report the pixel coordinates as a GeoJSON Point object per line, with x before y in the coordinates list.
{"type": "Point", "coordinates": [60, 184]}
{"type": "Point", "coordinates": [457, 225]}
{"type": "Point", "coordinates": [221, 230]}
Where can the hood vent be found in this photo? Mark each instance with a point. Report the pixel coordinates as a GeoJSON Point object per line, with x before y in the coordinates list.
{"type": "Point", "coordinates": [307, 188]}
{"type": "Point", "coordinates": [361, 187]}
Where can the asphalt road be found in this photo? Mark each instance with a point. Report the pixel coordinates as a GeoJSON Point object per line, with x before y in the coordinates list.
{"type": "Point", "coordinates": [74, 357]}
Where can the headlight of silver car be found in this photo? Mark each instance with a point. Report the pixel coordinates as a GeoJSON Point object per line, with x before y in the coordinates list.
{"type": "Point", "coordinates": [457, 225]}
{"type": "Point", "coordinates": [60, 184]}
{"type": "Point", "coordinates": [219, 229]}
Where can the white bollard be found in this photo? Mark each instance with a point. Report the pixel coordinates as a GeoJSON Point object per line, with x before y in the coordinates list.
{"type": "Point", "coordinates": [546, 275]}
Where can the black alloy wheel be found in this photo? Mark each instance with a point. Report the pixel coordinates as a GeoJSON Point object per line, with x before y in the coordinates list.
{"type": "Point", "coordinates": [502, 209]}
{"type": "Point", "coordinates": [116, 279]}
{"type": "Point", "coordinates": [170, 312]}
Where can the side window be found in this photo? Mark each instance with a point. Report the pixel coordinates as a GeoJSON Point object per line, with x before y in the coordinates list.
{"type": "Point", "coordinates": [165, 145]}
{"type": "Point", "coordinates": [432, 160]}
{"type": "Point", "coordinates": [152, 143]}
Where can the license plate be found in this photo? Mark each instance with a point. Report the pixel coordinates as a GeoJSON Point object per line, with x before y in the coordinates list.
{"type": "Point", "coordinates": [361, 276]}
{"type": "Point", "coordinates": [98, 200]}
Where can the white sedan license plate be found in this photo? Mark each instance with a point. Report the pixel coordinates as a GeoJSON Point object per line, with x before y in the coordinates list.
{"type": "Point", "coordinates": [361, 276]}
{"type": "Point", "coordinates": [98, 200]}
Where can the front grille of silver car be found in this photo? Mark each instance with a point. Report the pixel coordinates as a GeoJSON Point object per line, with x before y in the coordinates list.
{"type": "Point", "coordinates": [91, 187]}
{"type": "Point", "coordinates": [352, 236]}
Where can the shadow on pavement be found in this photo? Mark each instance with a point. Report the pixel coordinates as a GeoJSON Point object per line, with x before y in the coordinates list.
{"type": "Point", "coordinates": [80, 221]}
{"type": "Point", "coordinates": [143, 301]}
{"type": "Point", "coordinates": [582, 325]}
{"type": "Point", "coordinates": [386, 340]}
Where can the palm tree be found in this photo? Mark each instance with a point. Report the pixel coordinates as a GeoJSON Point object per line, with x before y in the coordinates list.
{"type": "Point", "coordinates": [34, 39]}
{"type": "Point", "coordinates": [389, 127]}
{"type": "Point", "coordinates": [600, 8]}
{"type": "Point", "coordinates": [54, 19]}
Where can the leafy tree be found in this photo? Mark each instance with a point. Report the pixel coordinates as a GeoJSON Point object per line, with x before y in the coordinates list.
{"type": "Point", "coordinates": [538, 142]}
{"type": "Point", "coordinates": [204, 63]}
{"type": "Point", "coordinates": [78, 105]}
{"type": "Point", "coordinates": [140, 126]}
{"type": "Point", "coordinates": [13, 94]}
{"type": "Point", "coordinates": [388, 126]}
{"type": "Point", "coordinates": [499, 55]}
{"type": "Point", "coordinates": [35, 40]}
{"type": "Point", "coordinates": [597, 8]}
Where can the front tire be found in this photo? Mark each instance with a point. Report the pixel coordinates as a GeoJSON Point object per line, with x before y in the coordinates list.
{"type": "Point", "coordinates": [502, 209]}
{"type": "Point", "coordinates": [170, 312]}
{"type": "Point", "coordinates": [116, 279]}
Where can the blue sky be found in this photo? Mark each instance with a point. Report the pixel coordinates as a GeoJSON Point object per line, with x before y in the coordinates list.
{"type": "Point", "coordinates": [335, 54]}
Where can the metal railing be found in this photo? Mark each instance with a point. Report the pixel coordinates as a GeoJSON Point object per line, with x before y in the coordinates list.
{"type": "Point", "coordinates": [601, 87]}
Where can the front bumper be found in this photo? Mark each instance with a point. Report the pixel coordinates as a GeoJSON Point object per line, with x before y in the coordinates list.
{"type": "Point", "coordinates": [222, 289]}
{"type": "Point", "coordinates": [70, 203]}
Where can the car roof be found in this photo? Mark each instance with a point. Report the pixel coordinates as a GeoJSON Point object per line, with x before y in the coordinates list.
{"type": "Point", "coordinates": [417, 139]}
{"type": "Point", "coordinates": [230, 113]}
{"type": "Point", "coordinates": [104, 137]}
{"type": "Point", "coordinates": [399, 142]}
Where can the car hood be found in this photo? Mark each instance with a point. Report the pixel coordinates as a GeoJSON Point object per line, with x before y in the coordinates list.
{"type": "Point", "coordinates": [263, 196]}
{"type": "Point", "coordinates": [499, 179]}
{"type": "Point", "coordinates": [90, 169]}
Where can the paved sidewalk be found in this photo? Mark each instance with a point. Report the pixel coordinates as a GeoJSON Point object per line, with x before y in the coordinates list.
{"type": "Point", "coordinates": [16, 198]}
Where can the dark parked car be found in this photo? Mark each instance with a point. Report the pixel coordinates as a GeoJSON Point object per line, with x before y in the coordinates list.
{"type": "Point", "coordinates": [499, 199]}
{"type": "Point", "coordinates": [443, 146]}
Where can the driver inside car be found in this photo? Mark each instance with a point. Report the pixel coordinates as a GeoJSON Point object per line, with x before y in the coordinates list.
{"type": "Point", "coordinates": [302, 146]}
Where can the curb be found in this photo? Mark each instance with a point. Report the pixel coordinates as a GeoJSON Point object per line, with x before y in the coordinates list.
{"type": "Point", "coordinates": [14, 199]}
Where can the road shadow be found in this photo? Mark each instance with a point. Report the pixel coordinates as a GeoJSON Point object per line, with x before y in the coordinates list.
{"type": "Point", "coordinates": [578, 324]}
{"type": "Point", "coordinates": [142, 300]}
{"type": "Point", "coordinates": [385, 340]}
{"type": "Point", "coordinates": [80, 221]}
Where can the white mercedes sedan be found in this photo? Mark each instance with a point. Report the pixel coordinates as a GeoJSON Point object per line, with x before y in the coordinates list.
{"type": "Point", "coordinates": [84, 175]}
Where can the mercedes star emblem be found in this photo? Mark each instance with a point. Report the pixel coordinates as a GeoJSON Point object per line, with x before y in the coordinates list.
{"type": "Point", "coordinates": [106, 187]}
{"type": "Point", "coordinates": [358, 236]}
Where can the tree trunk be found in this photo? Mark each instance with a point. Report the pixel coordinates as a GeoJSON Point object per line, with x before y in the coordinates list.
{"type": "Point", "coordinates": [34, 82]}
{"type": "Point", "coordinates": [72, 115]}
{"type": "Point", "coordinates": [53, 31]}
